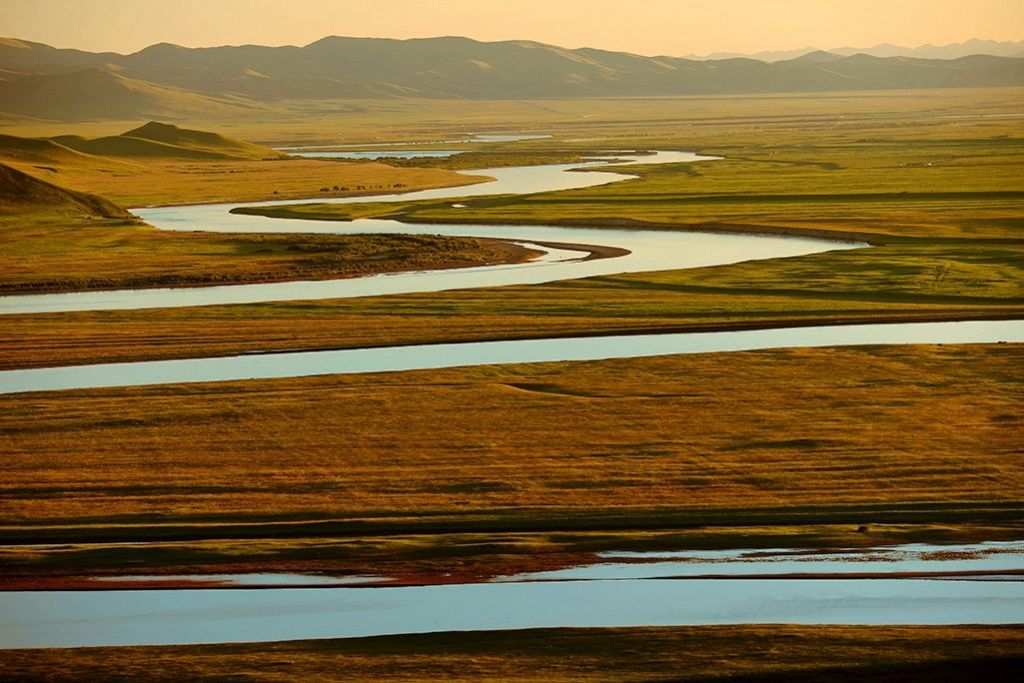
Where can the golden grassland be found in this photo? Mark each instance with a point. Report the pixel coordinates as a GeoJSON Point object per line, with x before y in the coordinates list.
{"type": "Point", "coordinates": [856, 433]}
{"type": "Point", "coordinates": [680, 441]}
{"type": "Point", "coordinates": [161, 182]}
{"type": "Point", "coordinates": [354, 122]}
{"type": "Point", "coordinates": [939, 654]}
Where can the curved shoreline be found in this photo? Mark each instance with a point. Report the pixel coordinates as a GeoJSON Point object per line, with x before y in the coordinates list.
{"type": "Point", "coordinates": [519, 252]}
{"type": "Point", "coordinates": [842, 236]}
{"type": "Point", "coordinates": [513, 253]}
{"type": "Point", "coordinates": [691, 328]}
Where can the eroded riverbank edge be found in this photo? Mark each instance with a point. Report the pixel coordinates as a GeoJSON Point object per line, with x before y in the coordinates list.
{"type": "Point", "coordinates": [422, 551]}
{"type": "Point", "coordinates": [451, 252]}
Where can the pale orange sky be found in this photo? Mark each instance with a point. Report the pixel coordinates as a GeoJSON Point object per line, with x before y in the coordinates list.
{"type": "Point", "coordinates": [650, 27]}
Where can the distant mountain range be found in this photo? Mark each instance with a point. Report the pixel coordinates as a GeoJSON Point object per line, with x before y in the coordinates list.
{"type": "Point", "coordinates": [927, 51]}
{"type": "Point", "coordinates": [167, 81]}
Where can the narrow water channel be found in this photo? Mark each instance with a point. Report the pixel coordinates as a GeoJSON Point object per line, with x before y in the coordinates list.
{"type": "Point", "coordinates": [35, 619]}
{"type": "Point", "coordinates": [432, 356]}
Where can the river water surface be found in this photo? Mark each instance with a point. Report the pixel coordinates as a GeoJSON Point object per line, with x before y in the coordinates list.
{"type": "Point", "coordinates": [156, 617]}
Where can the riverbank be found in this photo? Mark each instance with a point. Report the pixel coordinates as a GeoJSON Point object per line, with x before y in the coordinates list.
{"type": "Point", "coordinates": [162, 260]}
{"type": "Point", "coordinates": [450, 550]}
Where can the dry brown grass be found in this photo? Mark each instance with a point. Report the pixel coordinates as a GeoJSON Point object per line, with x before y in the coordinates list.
{"type": "Point", "coordinates": [777, 430]}
{"type": "Point", "coordinates": [131, 183]}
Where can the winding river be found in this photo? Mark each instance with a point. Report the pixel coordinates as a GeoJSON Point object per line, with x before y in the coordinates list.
{"type": "Point", "coordinates": [649, 250]}
{"type": "Point", "coordinates": [613, 594]}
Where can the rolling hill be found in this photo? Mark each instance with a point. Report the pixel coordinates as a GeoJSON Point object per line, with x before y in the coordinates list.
{"type": "Point", "coordinates": [201, 141]}
{"type": "Point", "coordinates": [38, 151]}
{"type": "Point", "coordinates": [171, 81]}
{"type": "Point", "coordinates": [70, 157]}
{"type": "Point", "coordinates": [21, 193]}
{"type": "Point", "coordinates": [161, 140]}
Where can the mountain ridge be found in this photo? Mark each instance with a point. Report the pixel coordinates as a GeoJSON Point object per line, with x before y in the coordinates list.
{"type": "Point", "coordinates": [974, 46]}
{"type": "Point", "coordinates": [167, 80]}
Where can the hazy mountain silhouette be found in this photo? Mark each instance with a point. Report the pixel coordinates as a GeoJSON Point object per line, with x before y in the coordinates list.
{"type": "Point", "coordinates": [171, 80]}
{"type": "Point", "coordinates": [927, 51]}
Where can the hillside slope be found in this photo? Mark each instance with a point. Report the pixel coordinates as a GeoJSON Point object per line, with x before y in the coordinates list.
{"type": "Point", "coordinates": [200, 141]}
{"type": "Point", "coordinates": [164, 141]}
{"type": "Point", "coordinates": [22, 194]}
{"type": "Point", "coordinates": [39, 151]}
{"type": "Point", "coordinates": [114, 153]}
{"type": "Point", "coordinates": [95, 93]}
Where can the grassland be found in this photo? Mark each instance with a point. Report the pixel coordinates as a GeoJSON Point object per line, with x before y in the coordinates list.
{"type": "Point", "coordinates": [170, 182]}
{"type": "Point", "coordinates": [355, 122]}
{"type": "Point", "coordinates": [133, 182]}
{"type": "Point", "coordinates": [788, 437]}
{"type": "Point", "coordinates": [717, 653]}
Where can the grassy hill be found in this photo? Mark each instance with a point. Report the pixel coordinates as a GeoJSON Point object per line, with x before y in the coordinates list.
{"type": "Point", "coordinates": [165, 141]}
{"type": "Point", "coordinates": [128, 147]}
{"type": "Point", "coordinates": [200, 141]}
{"type": "Point", "coordinates": [152, 141]}
{"type": "Point", "coordinates": [22, 194]}
{"type": "Point", "coordinates": [39, 151]}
